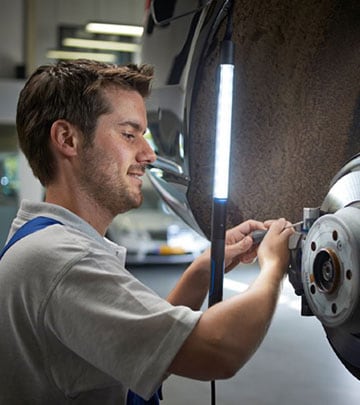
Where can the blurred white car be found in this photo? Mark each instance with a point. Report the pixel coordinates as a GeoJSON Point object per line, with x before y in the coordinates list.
{"type": "Point", "coordinates": [152, 233]}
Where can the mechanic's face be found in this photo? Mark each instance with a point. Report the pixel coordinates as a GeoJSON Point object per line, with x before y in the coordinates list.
{"type": "Point", "coordinates": [112, 167]}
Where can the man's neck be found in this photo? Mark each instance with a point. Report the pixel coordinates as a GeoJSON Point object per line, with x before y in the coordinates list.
{"type": "Point", "coordinates": [81, 205]}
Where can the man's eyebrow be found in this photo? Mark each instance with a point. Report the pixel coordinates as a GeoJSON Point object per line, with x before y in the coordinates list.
{"type": "Point", "coordinates": [132, 124]}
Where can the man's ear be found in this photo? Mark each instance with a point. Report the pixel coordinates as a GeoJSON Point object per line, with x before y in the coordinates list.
{"type": "Point", "coordinates": [64, 137]}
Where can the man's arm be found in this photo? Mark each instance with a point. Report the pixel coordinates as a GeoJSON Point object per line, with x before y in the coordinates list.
{"type": "Point", "coordinates": [229, 332]}
{"type": "Point", "coordinates": [194, 284]}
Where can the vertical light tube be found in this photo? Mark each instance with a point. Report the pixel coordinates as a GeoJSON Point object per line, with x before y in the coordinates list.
{"type": "Point", "coordinates": [221, 171]}
{"type": "Point", "coordinates": [221, 168]}
{"type": "Point", "coordinates": [223, 132]}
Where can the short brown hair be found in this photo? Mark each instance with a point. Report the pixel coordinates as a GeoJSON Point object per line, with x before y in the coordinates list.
{"type": "Point", "coordinates": [72, 91]}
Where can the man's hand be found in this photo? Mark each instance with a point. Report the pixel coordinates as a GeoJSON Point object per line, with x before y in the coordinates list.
{"type": "Point", "coordinates": [274, 249]}
{"type": "Point", "coordinates": [239, 247]}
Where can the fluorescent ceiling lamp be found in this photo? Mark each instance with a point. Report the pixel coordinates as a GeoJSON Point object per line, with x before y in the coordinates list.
{"type": "Point", "coordinates": [104, 45]}
{"type": "Point", "coordinates": [223, 132]}
{"type": "Point", "coordinates": [101, 57]}
{"type": "Point", "coordinates": [115, 29]}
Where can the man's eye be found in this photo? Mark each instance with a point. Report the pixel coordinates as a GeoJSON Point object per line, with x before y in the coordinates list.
{"type": "Point", "coordinates": [128, 135]}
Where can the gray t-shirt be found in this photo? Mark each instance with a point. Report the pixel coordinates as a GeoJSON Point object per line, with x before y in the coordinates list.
{"type": "Point", "coordinates": [75, 326]}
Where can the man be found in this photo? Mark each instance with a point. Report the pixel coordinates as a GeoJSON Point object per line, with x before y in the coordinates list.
{"type": "Point", "coordinates": [75, 326]}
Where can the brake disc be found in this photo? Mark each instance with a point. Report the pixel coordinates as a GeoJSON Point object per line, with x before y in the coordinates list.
{"type": "Point", "coordinates": [331, 266]}
{"type": "Point", "coordinates": [330, 275]}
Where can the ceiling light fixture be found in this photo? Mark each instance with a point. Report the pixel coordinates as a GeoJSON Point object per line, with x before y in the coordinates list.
{"type": "Point", "coordinates": [115, 29]}
{"type": "Point", "coordinates": [104, 45]}
{"type": "Point", "coordinates": [70, 55]}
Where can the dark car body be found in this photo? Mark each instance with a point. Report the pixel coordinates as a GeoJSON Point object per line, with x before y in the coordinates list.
{"type": "Point", "coordinates": [296, 105]}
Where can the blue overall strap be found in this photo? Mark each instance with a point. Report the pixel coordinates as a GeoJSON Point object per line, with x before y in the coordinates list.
{"type": "Point", "coordinates": [31, 226]}
{"type": "Point", "coordinates": [134, 399]}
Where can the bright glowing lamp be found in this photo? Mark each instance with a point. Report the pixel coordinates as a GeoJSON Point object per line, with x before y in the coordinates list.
{"type": "Point", "coordinates": [221, 170]}
{"type": "Point", "coordinates": [223, 132]}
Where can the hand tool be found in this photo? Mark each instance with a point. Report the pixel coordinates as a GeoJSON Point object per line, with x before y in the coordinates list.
{"type": "Point", "coordinates": [259, 234]}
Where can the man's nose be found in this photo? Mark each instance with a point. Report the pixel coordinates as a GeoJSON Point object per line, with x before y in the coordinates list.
{"type": "Point", "coordinates": [148, 153]}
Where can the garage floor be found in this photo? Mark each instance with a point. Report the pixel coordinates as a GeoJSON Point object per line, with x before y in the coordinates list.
{"type": "Point", "coordinates": [294, 366]}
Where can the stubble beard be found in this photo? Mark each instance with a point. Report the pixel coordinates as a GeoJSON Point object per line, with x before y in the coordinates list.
{"type": "Point", "coordinates": [105, 186]}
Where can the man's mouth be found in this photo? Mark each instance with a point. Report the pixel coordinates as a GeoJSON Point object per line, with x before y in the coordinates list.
{"type": "Point", "coordinates": [137, 176]}
{"type": "Point", "coordinates": [138, 173]}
